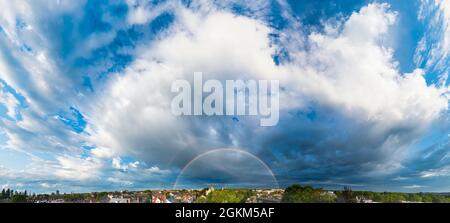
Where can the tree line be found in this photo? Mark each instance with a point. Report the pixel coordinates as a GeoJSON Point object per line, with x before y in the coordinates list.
{"type": "Point", "coordinates": [308, 194]}
{"type": "Point", "coordinates": [14, 196]}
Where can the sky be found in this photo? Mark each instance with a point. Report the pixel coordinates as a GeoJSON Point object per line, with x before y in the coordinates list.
{"type": "Point", "coordinates": [85, 94]}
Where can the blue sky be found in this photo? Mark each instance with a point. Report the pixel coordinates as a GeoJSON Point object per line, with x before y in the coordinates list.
{"type": "Point", "coordinates": [85, 89]}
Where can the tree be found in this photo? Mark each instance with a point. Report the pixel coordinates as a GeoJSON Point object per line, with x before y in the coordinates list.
{"type": "Point", "coordinates": [8, 193]}
{"type": "Point", "coordinates": [18, 198]}
{"type": "Point", "coordinates": [226, 196]}
{"type": "Point", "coordinates": [306, 194]}
{"type": "Point", "coordinates": [100, 196]}
{"type": "Point", "coordinates": [3, 195]}
{"type": "Point", "coordinates": [347, 195]}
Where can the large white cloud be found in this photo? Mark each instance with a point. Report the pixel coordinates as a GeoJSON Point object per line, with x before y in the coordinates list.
{"type": "Point", "coordinates": [354, 72]}
{"type": "Point", "coordinates": [350, 71]}
{"type": "Point", "coordinates": [139, 101]}
{"type": "Point", "coordinates": [370, 113]}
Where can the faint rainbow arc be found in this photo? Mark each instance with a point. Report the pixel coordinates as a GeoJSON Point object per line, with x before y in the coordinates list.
{"type": "Point", "coordinates": [226, 150]}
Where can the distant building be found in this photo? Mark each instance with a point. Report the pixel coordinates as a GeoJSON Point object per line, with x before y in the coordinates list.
{"type": "Point", "coordinates": [159, 198]}
{"type": "Point", "coordinates": [56, 201]}
{"type": "Point", "coordinates": [113, 199]}
{"type": "Point", "coordinates": [209, 190]}
{"type": "Point", "coordinates": [119, 200]}
{"type": "Point", "coordinates": [363, 200]}
{"type": "Point", "coordinates": [269, 199]}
